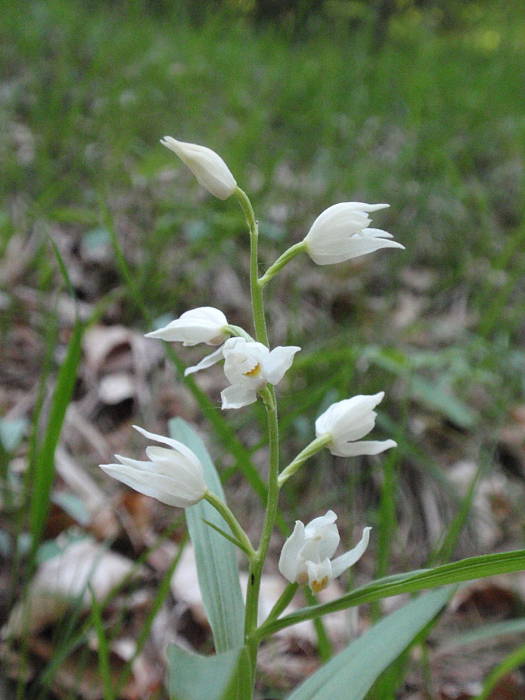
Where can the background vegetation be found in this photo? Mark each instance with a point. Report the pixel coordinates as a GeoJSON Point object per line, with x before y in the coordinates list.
{"type": "Point", "coordinates": [103, 234]}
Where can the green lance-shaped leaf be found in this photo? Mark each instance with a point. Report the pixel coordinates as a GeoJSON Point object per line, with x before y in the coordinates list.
{"type": "Point", "coordinates": [224, 676]}
{"type": "Point", "coordinates": [216, 556]}
{"type": "Point", "coordinates": [463, 570]}
{"type": "Point", "coordinates": [353, 671]}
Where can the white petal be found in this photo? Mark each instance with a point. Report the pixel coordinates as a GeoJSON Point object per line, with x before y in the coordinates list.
{"type": "Point", "coordinates": [357, 429]}
{"type": "Point", "coordinates": [319, 574]}
{"type": "Point", "coordinates": [180, 482]}
{"type": "Point", "coordinates": [153, 485]}
{"type": "Point", "coordinates": [241, 357]}
{"type": "Point", "coordinates": [207, 166]}
{"type": "Point", "coordinates": [289, 559]}
{"type": "Point", "coordinates": [321, 537]}
{"type": "Point", "coordinates": [327, 519]}
{"type": "Point", "coordinates": [322, 543]}
{"type": "Point", "coordinates": [341, 232]}
{"type": "Point", "coordinates": [377, 233]}
{"type": "Point", "coordinates": [202, 325]}
{"type": "Point", "coordinates": [174, 444]}
{"type": "Point", "coordinates": [353, 215]}
{"type": "Point", "coordinates": [238, 395]}
{"type": "Point", "coordinates": [355, 449]}
{"type": "Point", "coordinates": [343, 415]}
{"type": "Point", "coordinates": [362, 245]}
{"type": "Point", "coordinates": [174, 465]}
{"type": "Point", "coordinates": [206, 362]}
{"type": "Point", "coordinates": [345, 561]}
{"type": "Point", "coordinates": [278, 362]}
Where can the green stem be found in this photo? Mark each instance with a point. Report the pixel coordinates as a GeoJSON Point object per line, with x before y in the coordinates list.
{"type": "Point", "coordinates": [238, 332]}
{"type": "Point", "coordinates": [301, 458]}
{"type": "Point", "coordinates": [281, 261]}
{"type": "Point", "coordinates": [259, 320]}
{"type": "Point", "coordinates": [270, 403]}
{"type": "Point", "coordinates": [254, 581]}
{"type": "Point", "coordinates": [233, 523]}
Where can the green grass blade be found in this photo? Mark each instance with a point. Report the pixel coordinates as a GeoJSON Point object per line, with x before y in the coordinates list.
{"type": "Point", "coordinates": [484, 633]}
{"type": "Point", "coordinates": [63, 269]}
{"type": "Point", "coordinates": [216, 557]}
{"type": "Point", "coordinates": [324, 646]}
{"type": "Point", "coordinates": [451, 536]}
{"type": "Point", "coordinates": [230, 538]}
{"type": "Point", "coordinates": [163, 591]}
{"type": "Point", "coordinates": [353, 671]}
{"type": "Point", "coordinates": [464, 570]}
{"type": "Point", "coordinates": [512, 661]}
{"type": "Point", "coordinates": [44, 467]}
{"type": "Point", "coordinates": [104, 664]}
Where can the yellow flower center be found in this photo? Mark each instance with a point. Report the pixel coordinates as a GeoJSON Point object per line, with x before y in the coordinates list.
{"type": "Point", "coordinates": [254, 372]}
{"type": "Point", "coordinates": [319, 585]}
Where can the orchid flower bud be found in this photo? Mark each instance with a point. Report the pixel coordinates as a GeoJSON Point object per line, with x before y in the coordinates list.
{"type": "Point", "coordinates": [207, 166]}
{"type": "Point", "coordinates": [306, 556]}
{"type": "Point", "coordinates": [202, 325]}
{"type": "Point", "coordinates": [341, 233]}
{"type": "Point", "coordinates": [173, 476]}
{"type": "Point", "coordinates": [248, 366]}
{"type": "Point", "coordinates": [347, 422]}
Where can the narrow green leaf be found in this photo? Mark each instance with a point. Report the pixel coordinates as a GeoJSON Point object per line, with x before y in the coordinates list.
{"type": "Point", "coordinates": [163, 591]}
{"type": "Point", "coordinates": [440, 399]}
{"type": "Point", "coordinates": [464, 570]}
{"type": "Point", "coordinates": [44, 467]}
{"type": "Point", "coordinates": [324, 645]}
{"type": "Point", "coordinates": [63, 269]}
{"type": "Point", "coordinates": [104, 664]}
{"type": "Point", "coordinates": [194, 677]}
{"type": "Point", "coordinates": [224, 534]}
{"type": "Point", "coordinates": [216, 557]}
{"type": "Point", "coordinates": [484, 633]}
{"type": "Point", "coordinates": [353, 671]}
{"type": "Point", "coordinates": [509, 663]}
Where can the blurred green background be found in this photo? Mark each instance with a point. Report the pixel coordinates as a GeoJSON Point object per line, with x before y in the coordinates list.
{"type": "Point", "coordinates": [417, 103]}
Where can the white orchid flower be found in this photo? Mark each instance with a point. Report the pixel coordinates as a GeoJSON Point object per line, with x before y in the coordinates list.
{"type": "Point", "coordinates": [173, 476]}
{"type": "Point", "coordinates": [207, 166]}
{"type": "Point", "coordinates": [347, 422]}
{"type": "Point", "coordinates": [341, 233]}
{"type": "Point", "coordinates": [306, 556]}
{"type": "Point", "coordinates": [202, 325]}
{"type": "Point", "coordinates": [248, 366]}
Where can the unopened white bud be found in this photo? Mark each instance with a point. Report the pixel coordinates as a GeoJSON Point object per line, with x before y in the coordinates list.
{"type": "Point", "coordinates": [207, 166]}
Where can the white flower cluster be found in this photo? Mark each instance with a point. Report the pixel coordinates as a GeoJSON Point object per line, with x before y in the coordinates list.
{"type": "Point", "coordinates": [174, 474]}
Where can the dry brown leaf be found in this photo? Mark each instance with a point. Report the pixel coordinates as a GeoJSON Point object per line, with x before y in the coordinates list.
{"type": "Point", "coordinates": [485, 599]}
{"type": "Point", "coordinates": [115, 388]}
{"type": "Point", "coordinates": [102, 341]}
{"type": "Point", "coordinates": [64, 579]}
{"type": "Point", "coordinates": [103, 521]}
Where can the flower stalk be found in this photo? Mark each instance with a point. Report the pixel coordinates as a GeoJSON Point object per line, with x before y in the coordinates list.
{"type": "Point", "coordinates": [281, 261]}
{"type": "Point", "coordinates": [255, 573]}
{"type": "Point", "coordinates": [239, 534]}
{"type": "Point", "coordinates": [259, 319]}
{"type": "Point", "coordinates": [298, 461]}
